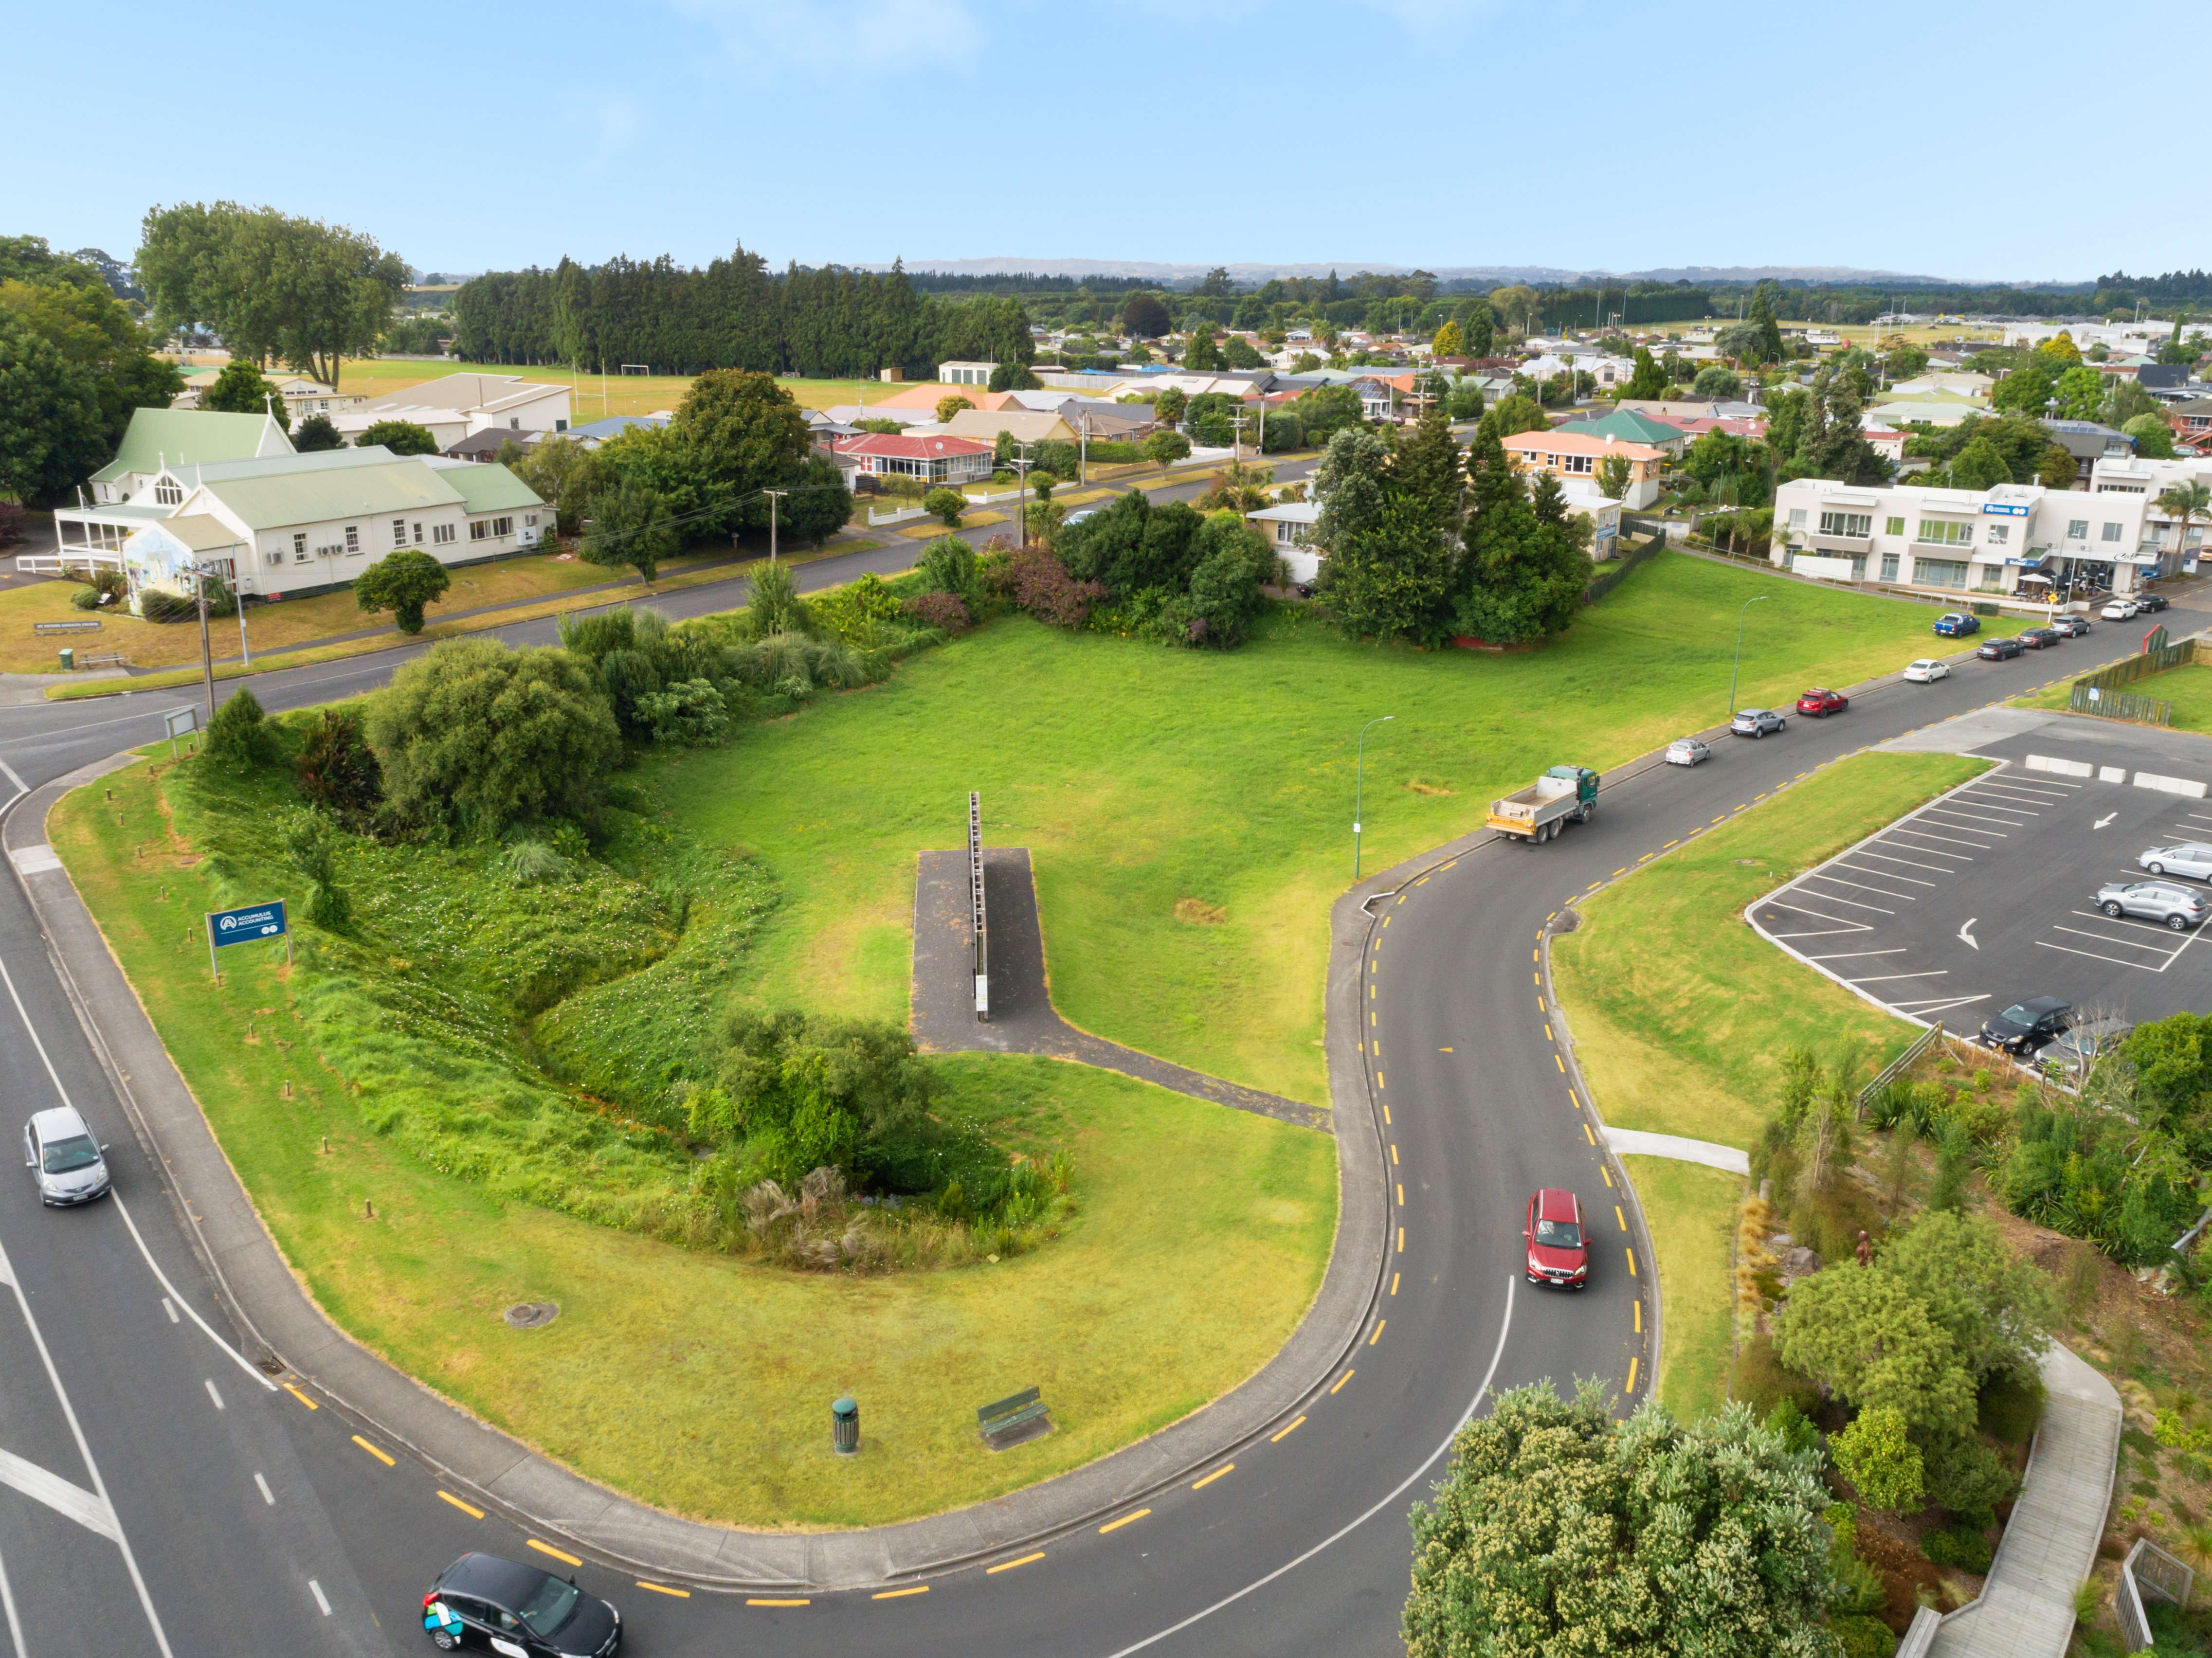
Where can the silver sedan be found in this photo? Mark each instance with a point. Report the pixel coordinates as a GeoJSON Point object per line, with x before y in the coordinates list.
{"type": "Point", "coordinates": [2190, 857]}
{"type": "Point", "coordinates": [1686, 751]}
{"type": "Point", "coordinates": [2154, 901]}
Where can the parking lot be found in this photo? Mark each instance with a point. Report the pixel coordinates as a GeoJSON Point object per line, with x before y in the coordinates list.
{"type": "Point", "coordinates": [1985, 896]}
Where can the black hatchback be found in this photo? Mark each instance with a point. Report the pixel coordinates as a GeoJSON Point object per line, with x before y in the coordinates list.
{"type": "Point", "coordinates": [490, 1605]}
{"type": "Point", "coordinates": [1999, 650]}
{"type": "Point", "coordinates": [2025, 1026]}
{"type": "Point", "coordinates": [2040, 639]}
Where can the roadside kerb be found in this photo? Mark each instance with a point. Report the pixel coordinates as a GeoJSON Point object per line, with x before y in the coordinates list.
{"type": "Point", "coordinates": [271, 1306]}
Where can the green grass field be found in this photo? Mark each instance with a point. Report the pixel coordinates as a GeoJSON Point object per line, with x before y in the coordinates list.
{"type": "Point", "coordinates": [2189, 687]}
{"type": "Point", "coordinates": [1681, 1014]}
{"type": "Point", "coordinates": [1139, 777]}
{"type": "Point", "coordinates": [698, 1382]}
{"type": "Point", "coordinates": [596, 396]}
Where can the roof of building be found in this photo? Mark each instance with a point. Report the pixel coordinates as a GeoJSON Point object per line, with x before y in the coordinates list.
{"type": "Point", "coordinates": [1027, 425]}
{"type": "Point", "coordinates": [276, 500]}
{"type": "Point", "coordinates": [203, 532]}
{"type": "Point", "coordinates": [927, 394]}
{"type": "Point", "coordinates": [191, 435]}
{"type": "Point", "coordinates": [491, 392]}
{"type": "Point", "coordinates": [2152, 375]}
{"type": "Point", "coordinates": [614, 425]}
{"type": "Point", "coordinates": [907, 447]}
{"type": "Point", "coordinates": [1630, 424]}
{"type": "Point", "coordinates": [485, 486]}
{"type": "Point", "coordinates": [492, 440]}
{"type": "Point", "coordinates": [1561, 442]}
{"type": "Point", "coordinates": [2199, 406]}
{"type": "Point", "coordinates": [1288, 511]}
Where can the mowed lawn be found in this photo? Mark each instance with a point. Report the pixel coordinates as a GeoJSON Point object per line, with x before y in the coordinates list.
{"type": "Point", "coordinates": [2189, 687]}
{"type": "Point", "coordinates": [701, 1383]}
{"type": "Point", "coordinates": [1139, 777]}
{"type": "Point", "coordinates": [595, 396]}
{"type": "Point", "coordinates": [1681, 1014]}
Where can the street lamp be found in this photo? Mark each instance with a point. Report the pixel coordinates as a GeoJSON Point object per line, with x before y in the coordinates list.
{"type": "Point", "coordinates": [1359, 787]}
{"type": "Point", "coordinates": [1733, 673]}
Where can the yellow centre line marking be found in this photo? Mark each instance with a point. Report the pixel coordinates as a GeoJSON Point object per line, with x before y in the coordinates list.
{"type": "Point", "coordinates": [1379, 1083]}
{"type": "Point", "coordinates": [1386, 1116]}
{"type": "Point", "coordinates": [1401, 1240]}
{"type": "Point", "coordinates": [900, 1595]}
{"type": "Point", "coordinates": [1453, 865]}
{"type": "Point", "coordinates": [1286, 1432]}
{"type": "Point", "coordinates": [1341, 1380]}
{"type": "Point", "coordinates": [1755, 797]}
{"type": "Point", "coordinates": [1394, 1154]}
{"type": "Point", "coordinates": [1606, 1172]}
{"type": "Point", "coordinates": [1370, 993]}
{"type": "Point", "coordinates": [1373, 1019]}
{"type": "Point", "coordinates": [1631, 1262]}
{"type": "Point", "coordinates": [1008, 1565]}
{"type": "Point", "coordinates": [1632, 1373]}
{"type": "Point", "coordinates": [468, 1508]}
{"type": "Point", "coordinates": [1552, 916]}
{"type": "Point", "coordinates": [301, 1397]}
{"type": "Point", "coordinates": [1639, 1317]}
{"type": "Point", "coordinates": [1423, 882]}
{"type": "Point", "coordinates": [1722, 818]}
{"type": "Point", "coordinates": [1622, 1218]}
{"type": "Point", "coordinates": [1535, 955]}
{"type": "Point", "coordinates": [1378, 1046]}
{"type": "Point", "coordinates": [1539, 979]}
{"type": "Point", "coordinates": [663, 1588]}
{"type": "Point", "coordinates": [381, 1456]}
{"type": "Point", "coordinates": [1741, 806]}
{"type": "Point", "coordinates": [1587, 1135]}
{"type": "Point", "coordinates": [1117, 1525]}
{"type": "Point", "coordinates": [1386, 920]}
{"type": "Point", "coordinates": [1201, 1484]}
{"type": "Point", "coordinates": [757, 1601]}
{"type": "Point", "coordinates": [1402, 1194]}
{"type": "Point", "coordinates": [1644, 859]}
{"type": "Point", "coordinates": [1623, 870]}
{"type": "Point", "coordinates": [1447, 1050]}
{"type": "Point", "coordinates": [1669, 844]}
{"type": "Point", "coordinates": [1377, 1336]}
{"type": "Point", "coordinates": [1394, 1284]}
{"type": "Point", "coordinates": [1548, 1036]}
{"type": "Point", "coordinates": [1401, 899]}
{"type": "Point", "coordinates": [547, 1548]}
{"type": "Point", "coordinates": [1561, 1063]}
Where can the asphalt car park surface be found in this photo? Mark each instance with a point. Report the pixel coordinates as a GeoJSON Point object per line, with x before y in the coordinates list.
{"type": "Point", "coordinates": [1987, 896]}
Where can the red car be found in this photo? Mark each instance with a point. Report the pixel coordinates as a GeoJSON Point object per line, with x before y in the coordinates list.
{"type": "Point", "coordinates": [1557, 1251]}
{"type": "Point", "coordinates": [1820, 702]}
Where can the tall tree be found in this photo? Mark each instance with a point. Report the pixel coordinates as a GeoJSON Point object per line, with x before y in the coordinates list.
{"type": "Point", "coordinates": [1388, 571]}
{"type": "Point", "coordinates": [64, 302]}
{"type": "Point", "coordinates": [1451, 341]}
{"type": "Point", "coordinates": [747, 434]}
{"type": "Point", "coordinates": [1144, 317]}
{"type": "Point", "coordinates": [50, 427]}
{"type": "Point", "coordinates": [243, 389]}
{"type": "Point", "coordinates": [1528, 561]}
{"type": "Point", "coordinates": [305, 292]}
{"type": "Point", "coordinates": [630, 523]}
{"type": "Point", "coordinates": [2185, 503]}
{"type": "Point", "coordinates": [1761, 317]}
{"type": "Point", "coordinates": [1648, 381]}
{"type": "Point", "coordinates": [1428, 470]}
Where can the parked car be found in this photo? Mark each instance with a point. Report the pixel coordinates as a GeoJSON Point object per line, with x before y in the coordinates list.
{"type": "Point", "coordinates": [64, 1160]}
{"type": "Point", "coordinates": [2154, 602]}
{"type": "Point", "coordinates": [2074, 627]}
{"type": "Point", "coordinates": [1686, 751]}
{"type": "Point", "coordinates": [2154, 901]}
{"type": "Point", "coordinates": [1077, 517]}
{"type": "Point", "coordinates": [2077, 1049]}
{"type": "Point", "coordinates": [2000, 650]}
{"type": "Point", "coordinates": [2191, 858]}
{"type": "Point", "coordinates": [1822, 701]}
{"type": "Point", "coordinates": [2025, 1026]}
{"type": "Point", "coordinates": [2120, 610]}
{"type": "Point", "coordinates": [2041, 638]}
{"type": "Point", "coordinates": [500, 1606]}
{"type": "Point", "coordinates": [1957, 625]}
{"type": "Point", "coordinates": [1559, 1253]}
{"type": "Point", "coordinates": [1926, 672]}
{"type": "Point", "coordinates": [1756, 722]}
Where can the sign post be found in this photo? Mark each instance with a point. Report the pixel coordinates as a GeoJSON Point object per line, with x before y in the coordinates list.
{"type": "Point", "coordinates": [241, 926]}
{"type": "Point", "coordinates": [181, 722]}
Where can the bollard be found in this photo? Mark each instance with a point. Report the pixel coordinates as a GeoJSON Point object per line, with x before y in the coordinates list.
{"type": "Point", "coordinates": [845, 1427]}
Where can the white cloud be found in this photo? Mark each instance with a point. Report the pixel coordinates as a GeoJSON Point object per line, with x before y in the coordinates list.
{"type": "Point", "coordinates": [854, 34]}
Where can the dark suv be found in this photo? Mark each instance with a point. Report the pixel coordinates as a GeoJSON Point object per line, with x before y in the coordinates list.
{"type": "Point", "coordinates": [490, 1605]}
{"type": "Point", "coordinates": [2025, 1026]}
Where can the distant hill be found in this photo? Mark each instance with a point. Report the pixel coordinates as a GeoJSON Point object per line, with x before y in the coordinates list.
{"type": "Point", "coordinates": [1251, 275]}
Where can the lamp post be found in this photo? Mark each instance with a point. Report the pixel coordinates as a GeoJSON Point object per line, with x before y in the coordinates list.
{"type": "Point", "coordinates": [1359, 787]}
{"type": "Point", "coordinates": [1736, 670]}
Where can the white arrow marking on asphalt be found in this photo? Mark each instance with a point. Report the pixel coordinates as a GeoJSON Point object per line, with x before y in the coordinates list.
{"type": "Point", "coordinates": [1967, 932]}
{"type": "Point", "coordinates": [2106, 819]}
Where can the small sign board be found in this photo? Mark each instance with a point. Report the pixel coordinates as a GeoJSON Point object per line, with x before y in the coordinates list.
{"type": "Point", "coordinates": [247, 925]}
{"type": "Point", "coordinates": [181, 722]}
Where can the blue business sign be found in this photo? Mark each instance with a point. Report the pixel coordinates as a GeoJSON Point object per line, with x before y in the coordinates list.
{"type": "Point", "coordinates": [2004, 509]}
{"type": "Point", "coordinates": [239, 926]}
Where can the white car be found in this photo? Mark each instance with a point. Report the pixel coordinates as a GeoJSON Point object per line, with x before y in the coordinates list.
{"type": "Point", "coordinates": [2121, 610]}
{"type": "Point", "coordinates": [64, 1158]}
{"type": "Point", "coordinates": [2191, 858]}
{"type": "Point", "coordinates": [1686, 751]}
{"type": "Point", "coordinates": [1926, 672]}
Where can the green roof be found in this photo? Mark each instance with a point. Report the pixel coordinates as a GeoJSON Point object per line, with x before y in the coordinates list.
{"type": "Point", "coordinates": [489, 487]}
{"type": "Point", "coordinates": [185, 435]}
{"type": "Point", "coordinates": [1630, 425]}
{"type": "Point", "coordinates": [278, 500]}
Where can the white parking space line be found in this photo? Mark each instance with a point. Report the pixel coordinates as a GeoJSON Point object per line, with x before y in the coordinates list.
{"type": "Point", "coordinates": [1974, 819]}
{"type": "Point", "coordinates": [2115, 942]}
{"type": "Point", "coordinates": [321, 1600]}
{"type": "Point", "coordinates": [2125, 923]}
{"type": "Point", "coordinates": [1891, 978]}
{"type": "Point", "coordinates": [2045, 943]}
{"type": "Point", "coordinates": [1924, 1010]}
{"type": "Point", "coordinates": [7, 1606]}
{"type": "Point", "coordinates": [1890, 875]}
{"type": "Point", "coordinates": [1849, 904]}
{"type": "Point", "coordinates": [1906, 828]}
{"type": "Point", "coordinates": [1914, 862]}
{"type": "Point", "coordinates": [1825, 932]}
{"type": "Point", "coordinates": [2000, 803]}
{"type": "Point", "coordinates": [261, 1485]}
{"type": "Point", "coordinates": [1861, 886]}
{"type": "Point", "coordinates": [1845, 954]}
{"type": "Point", "coordinates": [1844, 922]}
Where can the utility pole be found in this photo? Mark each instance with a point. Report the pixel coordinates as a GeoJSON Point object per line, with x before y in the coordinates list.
{"type": "Point", "coordinates": [774, 496]}
{"type": "Point", "coordinates": [207, 655]}
{"type": "Point", "coordinates": [1021, 463]}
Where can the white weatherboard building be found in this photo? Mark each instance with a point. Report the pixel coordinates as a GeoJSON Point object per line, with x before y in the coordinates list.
{"type": "Point", "coordinates": [2016, 540]}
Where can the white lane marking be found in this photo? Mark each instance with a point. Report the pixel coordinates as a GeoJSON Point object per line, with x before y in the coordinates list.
{"type": "Point", "coordinates": [1922, 1010]}
{"type": "Point", "coordinates": [170, 1308]}
{"type": "Point", "coordinates": [1841, 954]}
{"type": "Point", "coordinates": [2044, 944]}
{"type": "Point", "coordinates": [9, 772]}
{"type": "Point", "coordinates": [321, 1600]}
{"type": "Point", "coordinates": [1861, 886]}
{"type": "Point", "coordinates": [64, 1497]}
{"type": "Point", "coordinates": [1890, 875]}
{"type": "Point", "coordinates": [192, 1312]}
{"type": "Point", "coordinates": [7, 1606]}
{"type": "Point", "coordinates": [1967, 932]}
{"type": "Point", "coordinates": [2106, 819]}
{"type": "Point", "coordinates": [261, 1485]}
{"type": "Point", "coordinates": [1907, 828]}
{"type": "Point", "coordinates": [1888, 978]}
{"type": "Point", "coordinates": [1435, 1457]}
{"type": "Point", "coordinates": [213, 1394]}
{"type": "Point", "coordinates": [1838, 898]}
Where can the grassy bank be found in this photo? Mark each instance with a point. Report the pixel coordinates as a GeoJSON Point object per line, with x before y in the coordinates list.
{"type": "Point", "coordinates": [691, 1379]}
{"type": "Point", "coordinates": [1139, 777]}
{"type": "Point", "coordinates": [1681, 1014]}
{"type": "Point", "coordinates": [596, 396]}
{"type": "Point", "coordinates": [2189, 687]}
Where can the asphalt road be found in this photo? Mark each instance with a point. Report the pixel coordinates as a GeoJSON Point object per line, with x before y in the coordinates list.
{"type": "Point", "coordinates": [1300, 1547]}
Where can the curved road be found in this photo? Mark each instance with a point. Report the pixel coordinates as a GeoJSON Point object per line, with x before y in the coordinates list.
{"type": "Point", "coordinates": [206, 1505]}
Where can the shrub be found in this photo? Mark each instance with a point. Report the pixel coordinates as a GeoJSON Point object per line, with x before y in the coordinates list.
{"type": "Point", "coordinates": [337, 770]}
{"type": "Point", "coordinates": [477, 737]}
{"type": "Point", "coordinates": [1042, 588]}
{"type": "Point", "coordinates": [401, 437]}
{"type": "Point", "coordinates": [948, 566]}
{"type": "Point", "coordinates": [856, 612]}
{"type": "Point", "coordinates": [12, 516]}
{"type": "Point", "coordinates": [773, 605]}
{"type": "Point", "coordinates": [1859, 1635]}
{"type": "Point", "coordinates": [942, 610]}
{"type": "Point", "coordinates": [108, 587]}
{"type": "Point", "coordinates": [689, 713]}
{"type": "Point", "coordinates": [533, 863]}
{"type": "Point", "coordinates": [402, 581]}
{"type": "Point", "coordinates": [947, 504]}
{"type": "Point", "coordinates": [2009, 1406]}
{"type": "Point", "coordinates": [164, 604]}
{"type": "Point", "coordinates": [238, 737]}
{"type": "Point", "coordinates": [310, 844]}
{"type": "Point", "coordinates": [1957, 1546]}
{"type": "Point", "coordinates": [1882, 1465]}
{"type": "Point", "coordinates": [792, 664]}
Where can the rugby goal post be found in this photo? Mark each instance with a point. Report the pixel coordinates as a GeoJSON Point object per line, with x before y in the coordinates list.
{"type": "Point", "coordinates": [636, 368]}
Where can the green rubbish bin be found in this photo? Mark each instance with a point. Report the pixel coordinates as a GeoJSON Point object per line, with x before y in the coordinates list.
{"type": "Point", "coordinates": [845, 1427]}
{"type": "Point", "coordinates": [69, 660]}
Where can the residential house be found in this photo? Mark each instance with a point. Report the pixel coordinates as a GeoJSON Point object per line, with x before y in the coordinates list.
{"type": "Point", "coordinates": [966, 374]}
{"type": "Point", "coordinates": [454, 407]}
{"type": "Point", "coordinates": [1569, 455]}
{"type": "Point", "coordinates": [935, 460]}
{"type": "Point", "coordinates": [1289, 528]}
{"type": "Point", "coordinates": [2191, 421]}
{"type": "Point", "coordinates": [2013, 539]}
{"type": "Point", "coordinates": [1924, 413]}
{"type": "Point", "coordinates": [2088, 443]}
{"type": "Point", "coordinates": [1965, 383]}
{"type": "Point", "coordinates": [927, 394]}
{"type": "Point", "coordinates": [1024, 425]}
{"type": "Point", "coordinates": [301, 397]}
{"type": "Point", "coordinates": [155, 438]}
{"type": "Point", "coordinates": [592, 434]}
{"type": "Point", "coordinates": [1634, 427]}
{"type": "Point", "coordinates": [2122, 338]}
{"type": "Point", "coordinates": [487, 444]}
{"type": "Point", "coordinates": [1603, 512]}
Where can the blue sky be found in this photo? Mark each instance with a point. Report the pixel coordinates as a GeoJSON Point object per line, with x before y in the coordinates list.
{"type": "Point", "coordinates": [1581, 133]}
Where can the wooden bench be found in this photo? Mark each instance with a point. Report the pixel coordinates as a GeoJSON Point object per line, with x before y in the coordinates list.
{"type": "Point", "coordinates": [106, 659]}
{"type": "Point", "coordinates": [87, 627]}
{"type": "Point", "coordinates": [1013, 1419]}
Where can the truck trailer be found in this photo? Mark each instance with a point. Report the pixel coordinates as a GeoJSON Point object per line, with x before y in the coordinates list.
{"type": "Point", "coordinates": [1563, 795]}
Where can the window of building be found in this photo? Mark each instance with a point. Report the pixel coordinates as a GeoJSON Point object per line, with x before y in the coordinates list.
{"type": "Point", "coordinates": [1944, 532]}
{"type": "Point", "coordinates": [2077, 528]}
{"type": "Point", "coordinates": [502, 526]}
{"type": "Point", "coordinates": [1797, 517]}
{"type": "Point", "coordinates": [1940, 572]}
{"type": "Point", "coordinates": [353, 538]}
{"type": "Point", "coordinates": [276, 554]}
{"type": "Point", "coordinates": [399, 532]}
{"type": "Point", "coordinates": [2112, 531]}
{"type": "Point", "coordinates": [530, 519]}
{"type": "Point", "coordinates": [1894, 526]}
{"type": "Point", "coordinates": [169, 492]}
{"type": "Point", "coordinates": [299, 545]}
{"type": "Point", "coordinates": [1889, 566]}
{"type": "Point", "coordinates": [418, 532]}
{"type": "Point", "coordinates": [480, 529]}
{"type": "Point", "coordinates": [1846, 524]}
{"type": "Point", "coordinates": [441, 533]}
{"type": "Point", "coordinates": [514, 423]}
{"type": "Point", "coordinates": [2000, 534]}
{"type": "Point", "coordinates": [560, 425]}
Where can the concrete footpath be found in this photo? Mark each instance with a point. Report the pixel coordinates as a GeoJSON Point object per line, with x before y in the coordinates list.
{"type": "Point", "coordinates": [283, 1331]}
{"type": "Point", "coordinates": [2025, 1609]}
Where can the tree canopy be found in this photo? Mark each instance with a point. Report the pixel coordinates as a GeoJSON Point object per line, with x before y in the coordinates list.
{"type": "Point", "coordinates": [402, 581]}
{"type": "Point", "coordinates": [242, 389]}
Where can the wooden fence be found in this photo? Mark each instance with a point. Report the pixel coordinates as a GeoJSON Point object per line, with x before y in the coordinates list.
{"type": "Point", "coordinates": [2099, 693]}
